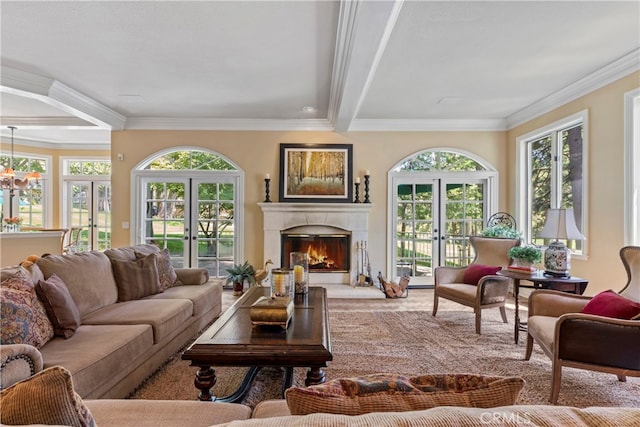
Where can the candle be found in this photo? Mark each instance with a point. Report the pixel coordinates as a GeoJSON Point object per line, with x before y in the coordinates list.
{"type": "Point", "coordinates": [298, 273]}
{"type": "Point", "coordinates": [267, 176]}
{"type": "Point", "coordinates": [357, 180]}
{"type": "Point", "coordinates": [366, 173]}
{"type": "Point", "coordinates": [279, 284]}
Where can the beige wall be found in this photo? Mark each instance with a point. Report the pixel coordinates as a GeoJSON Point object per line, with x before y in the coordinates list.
{"type": "Point", "coordinates": [605, 228]}
{"type": "Point", "coordinates": [257, 153]}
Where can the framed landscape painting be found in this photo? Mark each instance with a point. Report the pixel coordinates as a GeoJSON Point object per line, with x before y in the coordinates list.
{"type": "Point", "coordinates": [316, 173]}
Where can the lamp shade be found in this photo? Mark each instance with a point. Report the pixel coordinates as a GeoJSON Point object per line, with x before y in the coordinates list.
{"type": "Point", "coordinates": [560, 224]}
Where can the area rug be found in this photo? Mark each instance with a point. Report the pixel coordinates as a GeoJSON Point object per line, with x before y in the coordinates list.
{"type": "Point", "coordinates": [401, 336]}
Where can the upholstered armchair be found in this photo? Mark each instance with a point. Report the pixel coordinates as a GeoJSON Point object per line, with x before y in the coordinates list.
{"type": "Point", "coordinates": [486, 291]}
{"type": "Point", "coordinates": [586, 341]}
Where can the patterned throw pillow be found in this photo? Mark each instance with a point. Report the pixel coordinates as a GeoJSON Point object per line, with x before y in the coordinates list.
{"type": "Point", "coordinates": [62, 310]}
{"type": "Point", "coordinates": [23, 318]}
{"type": "Point", "coordinates": [136, 279]}
{"type": "Point", "coordinates": [166, 272]}
{"type": "Point", "coordinates": [397, 393]}
{"type": "Point", "coordinates": [45, 398]}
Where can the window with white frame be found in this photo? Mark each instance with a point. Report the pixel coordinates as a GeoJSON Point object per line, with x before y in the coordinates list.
{"type": "Point", "coordinates": [29, 202]}
{"type": "Point", "coordinates": [552, 174]}
{"type": "Point", "coordinates": [632, 167]}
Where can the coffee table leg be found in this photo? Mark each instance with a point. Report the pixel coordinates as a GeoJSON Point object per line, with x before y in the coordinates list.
{"type": "Point", "coordinates": [204, 381]}
{"type": "Point", "coordinates": [516, 297]}
{"type": "Point", "coordinates": [314, 376]}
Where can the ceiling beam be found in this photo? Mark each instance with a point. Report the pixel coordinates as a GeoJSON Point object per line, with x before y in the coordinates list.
{"type": "Point", "coordinates": [364, 28]}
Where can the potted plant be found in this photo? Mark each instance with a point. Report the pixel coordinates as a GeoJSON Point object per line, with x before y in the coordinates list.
{"type": "Point", "coordinates": [502, 231]}
{"type": "Point", "coordinates": [238, 274]}
{"type": "Point", "coordinates": [525, 256]}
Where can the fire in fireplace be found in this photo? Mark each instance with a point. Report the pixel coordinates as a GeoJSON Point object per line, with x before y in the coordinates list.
{"type": "Point", "coordinates": [327, 252]}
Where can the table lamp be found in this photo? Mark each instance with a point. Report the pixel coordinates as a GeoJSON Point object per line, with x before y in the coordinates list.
{"type": "Point", "coordinates": [560, 224]}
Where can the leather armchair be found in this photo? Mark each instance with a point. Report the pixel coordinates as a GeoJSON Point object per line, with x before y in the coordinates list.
{"type": "Point", "coordinates": [491, 290]}
{"type": "Point", "coordinates": [583, 341]}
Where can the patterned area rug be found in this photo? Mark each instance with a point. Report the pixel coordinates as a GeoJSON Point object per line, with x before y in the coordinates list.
{"type": "Point", "coordinates": [401, 336]}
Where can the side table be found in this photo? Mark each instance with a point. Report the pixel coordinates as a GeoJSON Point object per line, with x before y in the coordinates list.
{"type": "Point", "coordinates": [572, 284]}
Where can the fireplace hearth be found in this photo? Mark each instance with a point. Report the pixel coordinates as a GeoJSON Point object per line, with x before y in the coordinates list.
{"type": "Point", "coordinates": [327, 253]}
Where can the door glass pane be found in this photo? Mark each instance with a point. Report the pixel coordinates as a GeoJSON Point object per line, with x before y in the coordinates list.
{"type": "Point", "coordinates": [80, 214]}
{"type": "Point", "coordinates": [102, 216]}
{"type": "Point", "coordinates": [165, 220]}
{"type": "Point", "coordinates": [414, 230]}
{"type": "Point", "coordinates": [464, 216]}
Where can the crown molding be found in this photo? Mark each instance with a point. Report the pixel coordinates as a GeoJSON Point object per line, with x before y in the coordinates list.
{"type": "Point", "coordinates": [427, 125]}
{"type": "Point", "coordinates": [54, 145]}
{"type": "Point", "coordinates": [68, 122]}
{"type": "Point", "coordinates": [616, 70]}
{"type": "Point", "coordinates": [60, 96]}
{"type": "Point", "coordinates": [202, 123]}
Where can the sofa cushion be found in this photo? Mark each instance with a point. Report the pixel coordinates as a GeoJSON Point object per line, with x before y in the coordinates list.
{"type": "Point", "coordinates": [166, 273]}
{"type": "Point", "coordinates": [104, 352]}
{"type": "Point", "coordinates": [136, 279]}
{"type": "Point", "coordinates": [203, 297]}
{"type": "Point", "coordinates": [23, 317]}
{"type": "Point", "coordinates": [396, 393]}
{"type": "Point", "coordinates": [165, 316]}
{"type": "Point", "coordinates": [155, 413]}
{"type": "Point", "coordinates": [611, 304]}
{"type": "Point", "coordinates": [475, 272]}
{"type": "Point", "coordinates": [88, 277]}
{"type": "Point", "coordinates": [521, 415]}
{"type": "Point", "coordinates": [45, 398]}
{"type": "Point", "coordinates": [61, 309]}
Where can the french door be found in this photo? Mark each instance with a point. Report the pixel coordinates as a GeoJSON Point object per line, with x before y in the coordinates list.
{"type": "Point", "coordinates": [433, 217]}
{"type": "Point", "coordinates": [194, 218]}
{"type": "Point", "coordinates": [88, 206]}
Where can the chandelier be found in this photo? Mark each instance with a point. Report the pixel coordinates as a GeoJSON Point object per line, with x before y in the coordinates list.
{"type": "Point", "coordinates": [8, 176]}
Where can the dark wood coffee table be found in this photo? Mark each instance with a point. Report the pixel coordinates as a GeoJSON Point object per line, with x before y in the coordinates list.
{"type": "Point", "coordinates": [233, 341]}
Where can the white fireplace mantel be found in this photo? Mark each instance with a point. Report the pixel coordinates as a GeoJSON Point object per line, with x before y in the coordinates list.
{"type": "Point", "coordinates": [351, 217]}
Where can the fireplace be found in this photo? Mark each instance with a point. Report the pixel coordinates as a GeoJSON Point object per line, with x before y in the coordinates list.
{"type": "Point", "coordinates": [316, 219]}
{"type": "Point", "coordinates": [328, 253]}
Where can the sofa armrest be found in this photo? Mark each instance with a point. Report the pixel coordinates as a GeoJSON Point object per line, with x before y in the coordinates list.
{"type": "Point", "coordinates": [546, 302]}
{"type": "Point", "coordinates": [449, 275]}
{"type": "Point", "coordinates": [192, 276]}
{"type": "Point", "coordinates": [598, 340]}
{"type": "Point", "coordinates": [18, 362]}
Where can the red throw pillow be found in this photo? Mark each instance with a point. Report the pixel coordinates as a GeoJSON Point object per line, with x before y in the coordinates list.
{"type": "Point", "coordinates": [475, 272]}
{"type": "Point", "coordinates": [610, 304]}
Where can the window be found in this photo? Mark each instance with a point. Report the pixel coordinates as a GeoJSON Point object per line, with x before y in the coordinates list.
{"type": "Point", "coordinates": [551, 173]}
{"type": "Point", "coordinates": [632, 167]}
{"type": "Point", "coordinates": [31, 201]}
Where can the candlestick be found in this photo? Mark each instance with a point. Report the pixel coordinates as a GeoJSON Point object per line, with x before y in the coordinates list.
{"type": "Point", "coordinates": [267, 176]}
{"type": "Point", "coordinates": [366, 187]}
{"type": "Point", "coordinates": [357, 180]}
{"type": "Point", "coordinates": [357, 198]}
{"type": "Point", "coordinates": [267, 181]}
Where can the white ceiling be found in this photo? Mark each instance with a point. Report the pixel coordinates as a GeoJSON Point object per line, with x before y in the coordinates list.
{"type": "Point", "coordinates": [72, 71]}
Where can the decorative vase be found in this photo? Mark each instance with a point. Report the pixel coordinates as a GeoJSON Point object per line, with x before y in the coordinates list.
{"type": "Point", "coordinates": [299, 263]}
{"type": "Point", "coordinates": [238, 288]}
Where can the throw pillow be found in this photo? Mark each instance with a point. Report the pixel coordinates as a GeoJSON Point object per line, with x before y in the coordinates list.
{"type": "Point", "coordinates": [23, 318]}
{"type": "Point", "coordinates": [397, 393]}
{"type": "Point", "coordinates": [136, 279]}
{"type": "Point", "coordinates": [45, 398]}
{"type": "Point", "coordinates": [62, 310]}
{"type": "Point", "coordinates": [611, 304]}
{"type": "Point", "coordinates": [166, 272]}
{"type": "Point", "coordinates": [475, 272]}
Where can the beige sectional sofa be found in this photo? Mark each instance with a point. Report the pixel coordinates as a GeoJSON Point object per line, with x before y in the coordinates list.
{"type": "Point", "coordinates": [118, 344]}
